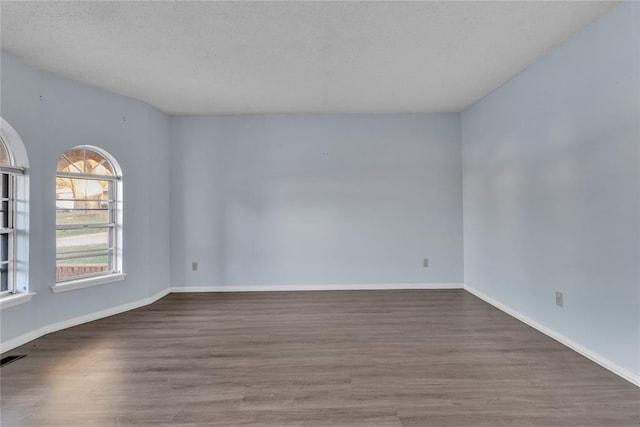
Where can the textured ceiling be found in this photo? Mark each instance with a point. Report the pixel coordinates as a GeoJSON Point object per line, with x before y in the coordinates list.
{"type": "Point", "coordinates": [268, 57]}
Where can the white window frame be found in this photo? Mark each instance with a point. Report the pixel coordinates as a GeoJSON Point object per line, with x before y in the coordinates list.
{"type": "Point", "coordinates": [8, 173]}
{"type": "Point", "coordinates": [16, 172]}
{"type": "Point", "coordinates": [114, 271]}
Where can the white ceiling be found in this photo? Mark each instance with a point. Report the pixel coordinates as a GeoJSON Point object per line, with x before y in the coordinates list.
{"type": "Point", "coordinates": [269, 57]}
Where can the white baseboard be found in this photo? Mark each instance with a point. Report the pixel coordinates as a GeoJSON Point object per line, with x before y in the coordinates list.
{"type": "Point", "coordinates": [30, 336]}
{"type": "Point", "coordinates": [316, 287]}
{"type": "Point", "coordinates": [600, 360]}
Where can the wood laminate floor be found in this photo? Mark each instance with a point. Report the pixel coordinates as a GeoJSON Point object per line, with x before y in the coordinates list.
{"type": "Point", "coordinates": [343, 358]}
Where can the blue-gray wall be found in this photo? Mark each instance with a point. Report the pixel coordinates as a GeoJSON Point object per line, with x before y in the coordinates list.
{"type": "Point", "coordinates": [551, 197]}
{"type": "Point", "coordinates": [71, 114]}
{"type": "Point", "coordinates": [316, 199]}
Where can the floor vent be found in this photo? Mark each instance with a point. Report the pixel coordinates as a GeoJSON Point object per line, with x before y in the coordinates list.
{"type": "Point", "coordinates": [6, 360]}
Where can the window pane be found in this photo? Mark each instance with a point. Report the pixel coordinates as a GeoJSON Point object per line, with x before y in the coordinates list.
{"type": "Point", "coordinates": [70, 268]}
{"type": "Point", "coordinates": [4, 278]}
{"type": "Point", "coordinates": [4, 205]}
{"type": "Point", "coordinates": [4, 216]}
{"type": "Point", "coordinates": [4, 155]}
{"type": "Point", "coordinates": [4, 247]}
{"type": "Point", "coordinates": [81, 160]}
{"type": "Point", "coordinates": [81, 217]}
{"type": "Point", "coordinates": [5, 238]}
{"type": "Point", "coordinates": [84, 239]}
{"type": "Point", "coordinates": [5, 185]}
{"type": "Point", "coordinates": [81, 193]}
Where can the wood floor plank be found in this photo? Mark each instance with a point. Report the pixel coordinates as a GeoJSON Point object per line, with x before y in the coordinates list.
{"type": "Point", "coordinates": [330, 358]}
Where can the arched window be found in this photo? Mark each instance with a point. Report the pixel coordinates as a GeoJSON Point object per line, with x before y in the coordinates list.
{"type": "Point", "coordinates": [88, 215]}
{"type": "Point", "coordinates": [14, 213]}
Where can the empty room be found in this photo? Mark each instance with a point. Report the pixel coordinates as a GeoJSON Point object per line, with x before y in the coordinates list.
{"type": "Point", "coordinates": [320, 213]}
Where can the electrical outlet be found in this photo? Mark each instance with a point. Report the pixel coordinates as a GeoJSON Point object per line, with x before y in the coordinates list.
{"type": "Point", "coordinates": [559, 299]}
{"type": "Point", "coordinates": [194, 266]}
{"type": "Point", "coordinates": [425, 262]}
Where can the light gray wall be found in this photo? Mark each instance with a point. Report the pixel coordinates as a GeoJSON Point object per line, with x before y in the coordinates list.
{"type": "Point", "coordinates": [70, 114]}
{"type": "Point", "coordinates": [316, 199]}
{"type": "Point", "coordinates": [551, 197]}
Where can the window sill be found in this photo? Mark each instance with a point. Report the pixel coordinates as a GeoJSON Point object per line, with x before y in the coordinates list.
{"type": "Point", "coordinates": [16, 299]}
{"type": "Point", "coordinates": [72, 285]}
